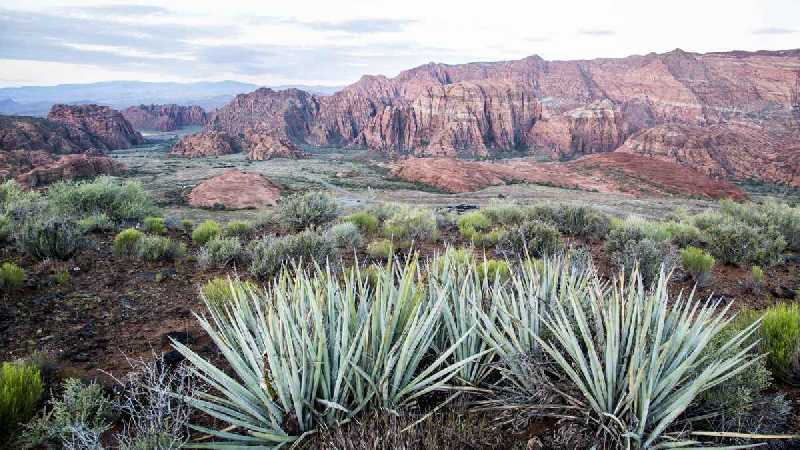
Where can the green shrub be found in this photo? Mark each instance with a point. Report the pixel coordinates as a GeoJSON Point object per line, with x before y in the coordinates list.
{"type": "Point", "coordinates": [737, 243]}
{"type": "Point", "coordinates": [533, 238]}
{"type": "Point", "coordinates": [488, 239]}
{"type": "Point", "coordinates": [505, 215]}
{"type": "Point", "coordinates": [780, 339]}
{"type": "Point", "coordinates": [698, 264]}
{"type": "Point", "coordinates": [471, 223]}
{"type": "Point", "coordinates": [786, 220]}
{"type": "Point", "coordinates": [685, 235]}
{"type": "Point", "coordinates": [187, 225]}
{"type": "Point", "coordinates": [493, 270]}
{"type": "Point", "coordinates": [20, 390]}
{"type": "Point", "coordinates": [95, 222]}
{"type": "Point", "coordinates": [159, 248]}
{"type": "Point", "coordinates": [383, 211]}
{"type": "Point", "coordinates": [707, 220]}
{"type": "Point", "coordinates": [459, 259]}
{"type": "Point", "coordinates": [365, 221]}
{"type": "Point", "coordinates": [638, 243]}
{"type": "Point", "coordinates": [409, 225]}
{"type": "Point", "coordinates": [120, 201]}
{"type": "Point", "coordinates": [206, 231]}
{"type": "Point", "coordinates": [154, 225]}
{"type": "Point", "coordinates": [11, 276]}
{"type": "Point", "coordinates": [220, 252]}
{"type": "Point", "coordinates": [5, 228]}
{"type": "Point", "coordinates": [756, 280]}
{"type": "Point", "coordinates": [217, 291]}
{"type": "Point", "coordinates": [380, 249]}
{"type": "Point", "coordinates": [270, 254]}
{"type": "Point", "coordinates": [83, 412]}
{"type": "Point", "coordinates": [345, 236]}
{"type": "Point", "coordinates": [311, 209]}
{"type": "Point", "coordinates": [238, 228]}
{"type": "Point", "coordinates": [49, 237]}
{"type": "Point", "coordinates": [126, 241]}
{"type": "Point", "coordinates": [583, 221]}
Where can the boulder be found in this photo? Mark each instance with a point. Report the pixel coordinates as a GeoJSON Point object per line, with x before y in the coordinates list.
{"type": "Point", "coordinates": [235, 190]}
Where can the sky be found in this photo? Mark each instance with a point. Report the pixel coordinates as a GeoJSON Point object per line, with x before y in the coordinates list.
{"type": "Point", "coordinates": [334, 42]}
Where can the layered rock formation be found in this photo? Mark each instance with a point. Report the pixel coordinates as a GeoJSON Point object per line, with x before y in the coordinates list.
{"type": "Point", "coordinates": [235, 190]}
{"type": "Point", "coordinates": [70, 167]}
{"type": "Point", "coordinates": [608, 172]}
{"type": "Point", "coordinates": [207, 143]}
{"type": "Point", "coordinates": [106, 127]}
{"type": "Point", "coordinates": [33, 133]}
{"type": "Point", "coordinates": [164, 117]}
{"type": "Point", "coordinates": [558, 109]}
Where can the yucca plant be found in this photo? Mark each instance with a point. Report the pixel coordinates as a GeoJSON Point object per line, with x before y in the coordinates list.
{"type": "Point", "coordinates": [638, 362]}
{"type": "Point", "coordinates": [310, 350]}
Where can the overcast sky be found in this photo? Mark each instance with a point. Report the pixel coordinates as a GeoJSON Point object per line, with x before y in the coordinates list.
{"type": "Point", "coordinates": [334, 42]}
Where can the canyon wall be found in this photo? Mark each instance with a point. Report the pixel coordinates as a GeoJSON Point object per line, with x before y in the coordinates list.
{"type": "Point", "coordinates": [164, 117]}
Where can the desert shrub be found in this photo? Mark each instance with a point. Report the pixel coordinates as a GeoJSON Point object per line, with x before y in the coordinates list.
{"type": "Point", "coordinates": [48, 237]}
{"type": "Point", "coordinates": [365, 221]}
{"type": "Point", "coordinates": [635, 243]}
{"type": "Point", "coordinates": [270, 254]}
{"type": "Point", "coordinates": [20, 390]}
{"type": "Point", "coordinates": [488, 239]}
{"type": "Point", "coordinates": [238, 228]}
{"type": "Point", "coordinates": [582, 221]}
{"type": "Point", "coordinates": [786, 220]}
{"type": "Point", "coordinates": [5, 228]}
{"type": "Point", "coordinates": [95, 222]}
{"type": "Point", "coordinates": [206, 231]}
{"type": "Point", "coordinates": [345, 235]}
{"type": "Point", "coordinates": [780, 339]}
{"type": "Point", "coordinates": [154, 225]}
{"type": "Point", "coordinates": [756, 280]}
{"type": "Point", "coordinates": [83, 412]}
{"type": "Point", "coordinates": [11, 276]}
{"type": "Point", "coordinates": [409, 225]}
{"type": "Point", "coordinates": [159, 248]}
{"type": "Point", "coordinates": [220, 290]}
{"type": "Point", "coordinates": [311, 209]}
{"type": "Point", "coordinates": [493, 270]}
{"type": "Point", "coordinates": [381, 249]}
{"type": "Point", "coordinates": [737, 243]}
{"type": "Point", "coordinates": [698, 264]}
{"type": "Point", "coordinates": [120, 201]}
{"type": "Point", "coordinates": [125, 242]}
{"type": "Point", "coordinates": [707, 220]}
{"type": "Point", "coordinates": [459, 259]}
{"type": "Point", "coordinates": [533, 238]}
{"type": "Point", "coordinates": [220, 252]}
{"type": "Point", "coordinates": [471, 223]}
{"type": "Point", "coordinates": [506, 214]}
{"type": "Point", "coordinates": [187, 225]}
{"type": "Point", "coordinates": [383, 211]}
{"type": "Point", "coordinates": [685, 235]}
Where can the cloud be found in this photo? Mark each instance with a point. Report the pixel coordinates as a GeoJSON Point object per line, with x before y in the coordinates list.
{"type": "Point", "coordinates": [597, 33]}
{"type": "Point", "coordinates": [774, 30]}
{"type": "Point", "coordinates": [363, 25]}
{"type": "Point", "coordinates": [121, 10]}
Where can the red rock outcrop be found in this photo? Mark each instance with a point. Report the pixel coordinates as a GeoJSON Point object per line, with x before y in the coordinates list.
{"type": "Point", "coordinates": [164, 117]}
{"type": "Point", "coordinates": [235, 190]}
{"type": "Point", "coordinates": [106, 127]}
{"type": "Point", "coordinates": [34, 133]}
{"type": "Point", "coordinates": [562, 109]}
{"type": "Point", "coordinates": [206, 143]}
{"type": "Point", "coordinates": [262, 146]}
{"type": "Point", "coordinates": [608, 172]}
{"type": "Point", "coordinates": [69, 167]}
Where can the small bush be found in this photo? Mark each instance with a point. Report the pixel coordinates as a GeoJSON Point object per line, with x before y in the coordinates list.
{"type": "Point", "coordinates": [493, 270]}
{"type": "Point", "coordinates": [220, 252]}
{"type": "Point", "coordinates": [685, 235]}
{"type": "Point", "coordinates": [217, 291]}
{"type": "Point", "coordinates": [238, 228]}
{"type": "Point", "coordinates": [756, 280]}
{"type": "Point", "coordinates": [154, 225]}
{"type": "Point", "coordinates": [83, 411]}
{"type": "Point", "coordinates": [159, 248]}
{"type": "Point", "coordinates": [270, 254]}
{"type": "Point", "coordinates": [380, 249]}
{"type": "Point", "coordinates": [20, 390]}
{"type": "Point", "coordinates": [698, 264]}
{"type": "Point", "coordinates": [187, 225]}
{"type": "Point", "coordinates": [311, 209]}
{"type": "Point", "coordinates": [505, 215]}
{"type": "Point", "coordinates": [489, 239]}
{"type": "Point", "coordinates": [11, 276]}
{"type": "Point", "coordinates": [534, 237]}
{"type": "Point", "coordinates": [345, 236]}
{"type": "Point", "coordinates": [49, 237]}
{"type": "Point", "coordinates": [365, 221]}
{"type": "Point", "coordinates": [635, 242]}
{"type": "Point", "coordinates": [583, 221]}
{"type": "Point", "coordinates": [409, 225]}
{"type": "Point", "coordinates": [96, 222]}
{"type": "Point", "coordinates": [206, 231]}
{"type": "Point", "coordinates": [120, 201]}
{"type": "Point", "coordinates": [737, 243]}
{"type": "Point", "coordinates": [471, 223]}
{"type": "Point", "coordinates": [126, 241]}
{"type": "Point", "coordinates": [780, 339]}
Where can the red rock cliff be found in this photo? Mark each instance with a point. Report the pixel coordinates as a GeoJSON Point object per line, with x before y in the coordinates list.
{"type": "Point", "coordinates": [164, 117]}
{"type": "Point", "coordinates": [108, 128]}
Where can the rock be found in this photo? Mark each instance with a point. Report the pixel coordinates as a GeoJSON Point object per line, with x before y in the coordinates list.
{"type": "Point", "coordinates": [70, 167]}
{"type": "Point", "coordinates": [235, 190]}
{"type": "Point", "coordinates": [262, 147]}
{"type": "Point", "coordinates": [107, 127]}
{"type": "Point", "coordinates": [784, 292]}
{"type": "Point", "coordinates": [164, 117]}
{"type": "Point", "coordinates": [34, 133]}
{"type": "Point", "coordinates": [207, 143]}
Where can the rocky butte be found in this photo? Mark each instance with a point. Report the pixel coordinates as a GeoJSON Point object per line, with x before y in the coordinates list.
{"type": "Point", "coordinates": [725, 115]}
{"type": "Point", "coordinates": [164, 117]}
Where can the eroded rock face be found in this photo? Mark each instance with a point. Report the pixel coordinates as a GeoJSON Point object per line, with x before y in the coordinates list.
{"type": "Point", "coordinates": [235, 190]}
{"type": "Point", "coordinates": [206, 143]}
{"type": "Point", "coordinates": [562, 109]}
{"type": "Point", "coordinates": [33, 133]}
{"type": "Point", "coordinates": [69, 167]}
{"type": "Point", "coordinates": [106, 127]}
{"type": "Point", "coordinates": [262, 146]}
{"type": "Point", "coordinates": [164, 117]}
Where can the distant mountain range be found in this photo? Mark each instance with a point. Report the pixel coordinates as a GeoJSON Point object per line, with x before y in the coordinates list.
{"type": "Point", "coordinates": [37, 100]}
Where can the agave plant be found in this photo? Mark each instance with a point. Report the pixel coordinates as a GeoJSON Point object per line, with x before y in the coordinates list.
{"type": "Point", "coordinates": [309, 350]}
{"type": "Point", "coordinates": [638, 359]}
